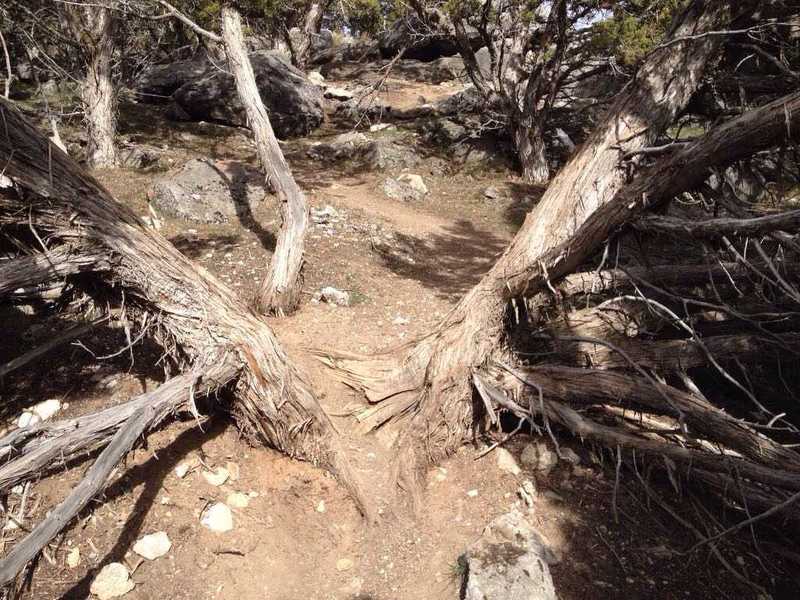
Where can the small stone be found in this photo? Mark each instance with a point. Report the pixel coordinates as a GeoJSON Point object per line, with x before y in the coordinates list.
{"type": "Point", "coordinates": [74, 557]}
{"type": "Point", "coordinates": [337, 93]}
{"type": "Point", "coordinates": [183, 467]}
{"type": "Point", "coordinates": [153, 546]}
{"type": "Point", "coordinates": [569, 455]}
{"type": "Point", "coordinates": [539, 457]}
{"type": "Point", "coordinates": [441, 474]}
{"type": "Point", "coordinates": [48, 408]}
{"type": "Point", "coordinates": [399, 320]}
{"type": "Point", "coordinates": [218, 517]}
{"type": "Point", "coordinates": [325, 215]}
{"type": "Point", "coordinates": [316, 78]}
{"type": "Point", "coordinates": [28, 419]}
{"type": "Point", "coordinates": [492, 193]}
{"type": "Point", "coordinates": [113, 581]}
{"type": "Point", "coordinates": [527, 492]}
{"type": "Point", "coordinates": [381, 127]}
{"type": "Point", "coordinates": [506, 462]}
{"type": "Point", "coordinates": [321, 506]}
{"type": "Point", "coordinates": [333, 296]}
{"type": "Point", "coordinates": [472, 493]}
{"type": "Point", "coordinates": [238, 500]}
{"type": "Point", "coordinates": [216, 477]}
{"type": "Point", "coordinates": [344, 564]}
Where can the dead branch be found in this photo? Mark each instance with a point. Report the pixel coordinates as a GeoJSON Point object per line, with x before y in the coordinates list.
{"type": "Point", "coordinates": [788, 221]}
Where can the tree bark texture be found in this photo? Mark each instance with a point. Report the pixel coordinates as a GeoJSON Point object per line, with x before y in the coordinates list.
{"type": "Point", "coordinates": [93, 26]}
{"type": "Point", "coordinates": [280, 291]}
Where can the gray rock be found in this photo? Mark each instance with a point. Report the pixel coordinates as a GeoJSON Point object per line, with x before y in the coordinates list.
{"type": "Point", "coordinates": [492, 193]}
{"type": "Point", "coordinates": [506, 462]}
{"type": "Point", "coordinates": [381, 154]}
{"type": "Point", "coordinates": [337, 93]}
{"type": "Point", "coordinates": [331, 295]}
{"type": "Point", "coordinates": [406, 187]}
{"type": "Point", "coordinates": [445, 132]}
{"type": "Point", "coordinates": [201, 91]}
{"type": "Point", "coordinates": [205, 191]}
{"type": "Point", "coordinates": [404, 34]}
{"type": "Point", "coordinates": [354, 51]}
{"type": "Point", "coordinates": [325, 215]}
{"type": "Point", "coordinates": [447, 68]}
{"type": "Point", "coordinates": [539, 457]}
{"type": "Point", "coordinates": [316, 78]}
{"type": "Point", "coordinates": [138, 156]}
{"type": "Point", "coordinates": [113, 581]}
{"type": "Point", "coordinates": [509, 561]}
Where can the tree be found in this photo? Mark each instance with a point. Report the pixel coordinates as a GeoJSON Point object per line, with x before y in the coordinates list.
{"type": "Point", "coordinates": [219, 344]}
{"type": "Point", "coordinates": [429, 383]}
{"type": "Point", "coordinates": [93, 28]}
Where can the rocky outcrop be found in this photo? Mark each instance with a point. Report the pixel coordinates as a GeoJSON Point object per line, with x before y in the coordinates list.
{"type": "Point", "coordinates": [206, 191]}
{"type": "Point", "coordinates": [373, 154]}
{"type": "Point", "coordinates": [201, 91]}
{"type": "Point", "coordinates": [509, 561]}
{"type": "Point", "coordinates": [352, 51]}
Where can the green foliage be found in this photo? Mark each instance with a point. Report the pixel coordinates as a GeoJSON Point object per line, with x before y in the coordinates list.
{"type": "Point", "coordinates": [636, 27]}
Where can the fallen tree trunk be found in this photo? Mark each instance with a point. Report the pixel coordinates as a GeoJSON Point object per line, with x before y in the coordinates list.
{"type": "Point", "coordinates": [198, 320]}
{"type": "Point", "coordinates": [35, 269]}
{"type": "Point", "coordinates": [281, 288]}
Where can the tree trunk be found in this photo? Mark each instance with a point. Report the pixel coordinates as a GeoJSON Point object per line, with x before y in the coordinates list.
{"type": "Point", "coordinates": [199, 321]}
{"type": "Point", "coordinates": [302, 43]}
{"type": "Point", "coordinates": [93, 27]}
{"type": "Point", "coordinates": [280, 290]}
{"type": "Point", "coordinates": [433, 381]}
{"type": "Point", "coordinates": [529, 142]}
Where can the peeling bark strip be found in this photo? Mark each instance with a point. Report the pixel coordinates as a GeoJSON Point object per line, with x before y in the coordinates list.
{"type": "Point", "coordinates": [93, 27]}
{"type": "Point", "coordinates": [280, 290]}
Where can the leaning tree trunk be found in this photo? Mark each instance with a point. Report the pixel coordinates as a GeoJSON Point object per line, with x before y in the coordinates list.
{"type": "Point", "coordinates": [302, 42]}
{"type": "Point", "coordinates": [280, 290]}
{"type": "Point", "coordinates": [93, 27]}
{"type": "Point", "coordinates": [199, 321]}
{"type": "Point", "coordinates": [432, 382]}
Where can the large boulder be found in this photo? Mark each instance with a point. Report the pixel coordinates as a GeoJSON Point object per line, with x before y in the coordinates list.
{"type": "Point", "coordinates": [404, 33]}
{"type": "Point", "coordinates": [361, 50]}
{"type": "Point", "coordinates": [509, 561]}
{"type": "Point", "coordinates": [446, 68]}
{"type": "Point", "coordinates": [201, 91]}
{"type": "Point", "coordinates": [206, 191]}
{"type": "Point", "coordinates": [380, 154]}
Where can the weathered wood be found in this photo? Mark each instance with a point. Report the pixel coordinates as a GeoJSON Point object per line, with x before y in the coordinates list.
{"type": "Point", "coordinates": [93, 27]}
{"type": "Point", "coordinates": [788, 221]}
{"type": "Point", "coordinates": [280, 290]}
{"type": "Point", "coordinates": [36, 269]}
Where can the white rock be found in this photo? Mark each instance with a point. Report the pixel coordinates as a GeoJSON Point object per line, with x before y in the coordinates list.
{"type": "Point", "coordinates": [74, 557]}
{"type": "Point", "coordinates": [153, 546]}
{"type": "Point", "coordinates": [48, 408]}
{"type": "Point", "coordinates": [218, 517]}
{"type": "Point", "coordinates": [323, 216]}
{"type": "Point", "coordinates": [399, 320]}
{"type": "Point", "coordinates": [316, 78]}
{"type": "Point", "coordinates": [506, 461]}
{"type": "Point", "coordinates": [321, 506]}
{"type": "Point", "coordinates": [216, 477]}
{"type": "Point", "coordinates": [113, 581]}
{"type": "Point", "coordinates": [28, 419]}
{"type": "Point", "coordinates": [472, 493]}
{"type": "Point", "coordinates": [333, 296]}
{"type": "Point", "coordinates": [381, 127]}
{"type": "Point", "coordinates": [415, 182]}
{"type": "Point", "coordinates": [344, 564]}
{"type": "Point", "coordinates": [233, 470]}
{"type": "Point", "coordinates": [337, 93]}
{"type": "Point", "coordinates": [183, 467]}
{"type": "Point", "coordinates": [539, 457]}
{"type": "Point", "coordinates": [238, 500]}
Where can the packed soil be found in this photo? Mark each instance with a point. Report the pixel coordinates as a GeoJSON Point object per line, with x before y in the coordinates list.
{"type": "Point", "coordinates": [301, 535]}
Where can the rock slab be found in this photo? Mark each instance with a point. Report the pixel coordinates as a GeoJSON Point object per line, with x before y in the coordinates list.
{"type": "Point", "coordinates": [509, 561]}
